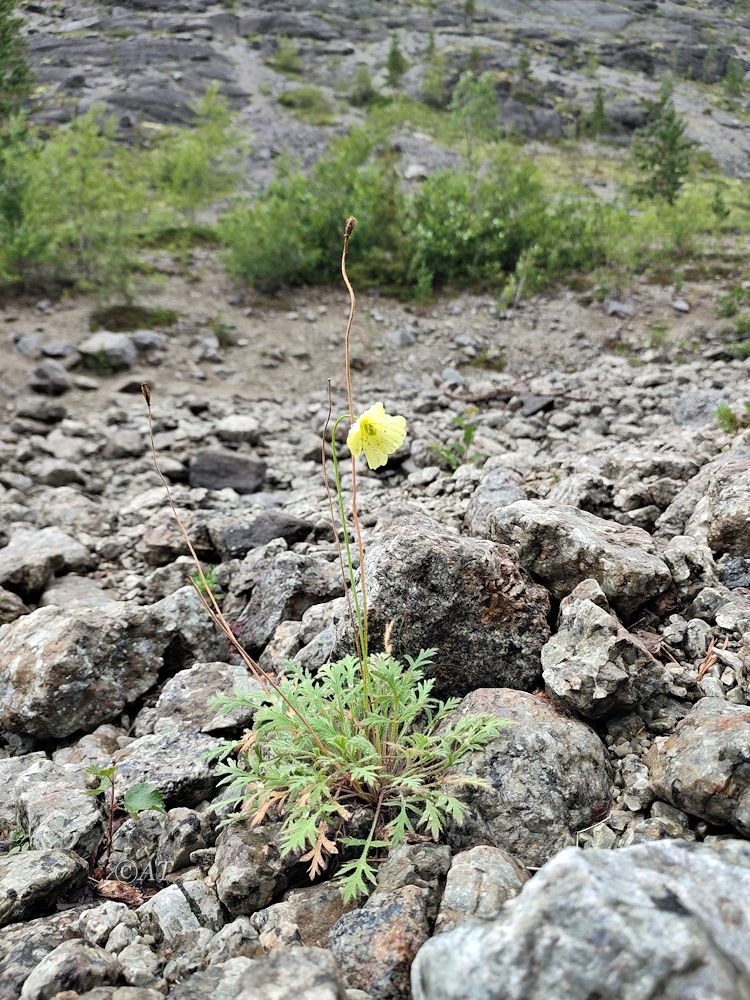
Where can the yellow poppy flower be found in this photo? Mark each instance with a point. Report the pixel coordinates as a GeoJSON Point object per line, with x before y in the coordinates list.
{"type": "Point", "coordinates": [376, 434]}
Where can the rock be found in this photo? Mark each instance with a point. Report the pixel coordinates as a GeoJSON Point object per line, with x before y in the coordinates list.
{"type": "Point", "coordinates": [24, 945]}
{"type": "Point", "coordinates": [171, 761]}
{"type": "Point", "coordinates": [238, 428]}
{"type": "Point", "coordinates": [729, 508]}
{"type": "Point", "coordinates": [306, 914]}
{"type": "Point", "coordinates": [62, 672]}
{"type": "Point", "coordinates": [667, 919]}
{"type": "Point", "coordinates": [56, 812]}
{"type": "Point", "coordinates": [703, 767]}
{"type": "Point", "coordinates": [479, 882]}
{"type": "Point", "coordinates": [184, 831]}
{"type": "Point", "coordinates": [32, 881]}
{"type": "Point", "coordinates": [106, 353]}
{"type": "Point", "coordinates": [623, 310]}
{"type": "Point", "coordinates": [465, 596]}
{"type": "Point", "coordinates": [547, 777]}
{"type": "Point", "coordinates": [594, 665]}
{"type": "Point", "coordinates": [375, 945]}
{"type": "Point", "coordinates": [96, 924]}
{"type": "Point", "coordinates": [50, 378]}
{"type": "Point", "coordinates": [498, 487]}
{"type": "Point", "coordinates": [14, 774]}
{"type": "Point", "coordinates": [218, 470]}
{"type": "Point", "coordinates": [134, 848]}
{"type": "Point", "coordinates": [299, 972]}
{"type": "Point", "coordinates": [32, 558]}
{"type": "Point", "coordinates": [563, 546]}
{"type": "Point", "coordinates": [185, 702]}
{"type": "Point", "coordinates": [73, 591]}
{"type": "Point", "coordinates": [141, 967]}
{"type": "Point", "coordinates": [238, 939]}
{"type": "Point", "coordinates": [11, 607]}
{"type": "Point", "coordinates": [175, 913]}
{"type": "Point", "coordinates": [72, 965]}
{"type": "Point", "coordinates": [234, 540]}
{"type": "Point", "coordinates": [249, 870]}
{"type": "Point", "coordinates": [273, 585]}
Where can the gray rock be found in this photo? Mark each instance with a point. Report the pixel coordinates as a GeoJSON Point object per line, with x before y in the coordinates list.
{"type": "Point", "coordinates": [563, 546]}
{"type": "Point", "coordinates": [594, 665]}
{"type": "Point", "coordinates": [668, 919]}
{"type": "Point", "coordinates": [185, 702]}
{"type": "Point", "coordinates": [375, 945]}
{"type": "Point", "coordinates": [547, 776]}
{"type": "Point", "coordinates": [56, 812]}
{"type": "Point", "coordinates": [61, 672]}
{"type": "Point", "coordinates": [72, 965]}
{"type": "Point", "coordinates": [498, 487]}
{"type": "Point", "coordinates": [178, 911]}
{"type": "Point", "coordinates": [141, 967]}
{"type": "Point", "coordinates": [729, 508]}
{"type": "Point", "coordinates": [304, 915]}
{"type": "Point", "coordinates": [239, 427]}
{"type": "Point", "coordinates": [184, 831]}
{"type": "Point", "coordinates": [96, 924]}
{"type": "Point", "coordinates": [274, 585]}
{"type": "Point", "coordinates": [235, 540]}
{"type": "Point", "coordinates": [249, 870]}
{"type": "Point", "coordinates": [299, 972]}
{"type": "Point", "coordinates": [32, 882]}
{"type": "Point", "coordinates": [134, 848]}
{"type": "Point", "coordinates": [465, 596]}
{"type": "Point", "coordinates": [171, 761]}
{"type": "Point", "coordinates": [72, 591]}
{"type": "Point", "coordinates": [479, 882]}
{"type": "Point", "coordinates": [14, 773]}
{"type": "Point", "coordinates": [219, 470]}
{"type": "Point", "coordinates": [703, 767]}
{"type": "Point", "coordinates": [50, 378]}
{"type": "Point", "coordinates": [235, 940]}
{"type": "Point", "coordinates": [32, 558]}
{"type": "Point", "coordinates": [11, 607]}
{"type": "Point", "coordinates": [24, 945]}
{"type": "Point", "coordinates": [106, 352]}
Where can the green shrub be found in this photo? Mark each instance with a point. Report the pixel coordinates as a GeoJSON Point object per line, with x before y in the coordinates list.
{"type": "Point", "coordinates": [396, 64]}
{"type": "Point", "coordinates": [476, 109]}
{"type": "Point", "coordinates": [362, 91]}
{"type": "Point", "coordinates": [286, 57]}
{"type": "Point", "coordinates": [391, 752]}
{"type": "Point", "coordinates": [435, 87]}
{"type": "Point", "coordinates": [308, 102]}
{"type": "Point", "coordinates": [661, 152]}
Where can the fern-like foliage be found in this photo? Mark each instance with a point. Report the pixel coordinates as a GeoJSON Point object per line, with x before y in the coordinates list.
{"type": "Point", "coordinates": [391, 752]}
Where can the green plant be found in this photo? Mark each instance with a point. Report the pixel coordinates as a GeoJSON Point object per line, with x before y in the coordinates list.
{"type": "Point", "coordinates": [15, 76]}
{"type": "Point", "coordinates": [308, 102]}
{"type": "Point", "coordinates": [205, 581]}
{"type": "Point", "coordinates": [362, 91]}
{"type": "Point", "coordinates": [523, 65]}
{"type": "Point", "coordinates": [391, 754]}
{"type": "Point", "coordinates": [286, 57]}
{"type": "Point", "coordinates": [658, 333]}
{"type": "Point", "coordinates": [396, 64]}
{"type": "Point", "coordinates": [458, 451]}
{"type": "Point", "coordinates": [474, 105]}
{"type": "Point", "coordinates": [470, 10]}
{"type": "Point", "coordinates": [661, 152]}
{"type": "Point", "coordinates": [731, 421]}
{"type": "Point", "coordinates": [139, 798]}
{"type": "Point", "coordinates": [730, 303]}
{"type": "Point", "coordinates": [596, 122]}
{"type": "Point", "coordinates": [734, 78]}
{"type": "Point", "coordinates": [20, 842]}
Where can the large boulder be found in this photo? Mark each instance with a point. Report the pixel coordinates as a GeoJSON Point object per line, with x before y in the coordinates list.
{"type": "Point", "coordinates": [594, 665]}
{"type": "Point", "coordinates": [563, 546]}
{"type": "Point", "coordinates": [704, 767]}
{"type": "Point", "coordinates": [216, 469]}
{"type": "Point", "coordinates": [729, 508]}
{"type": "Point", "coordinates": [66, 671]}
{"type": "Point", "coordinates": [466, 597]}
{"type": "Point", "coordinates": [668, 920]}
{"type": "Point", "coordinates": [545, 777]}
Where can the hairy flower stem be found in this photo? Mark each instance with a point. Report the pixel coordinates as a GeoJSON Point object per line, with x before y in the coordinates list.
{"type": "Point", "coordinates": [351, 222]}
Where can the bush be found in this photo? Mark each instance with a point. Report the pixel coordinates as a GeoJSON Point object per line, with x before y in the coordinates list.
{"type": "Point", "coordinates": [286, 58]}
{"type": "Point", "coordinates": [661, 152]}
{"type": "Point", "coordinates": [476, 109]}
{"type": "Point", "coordinates": [362, 91]}
{"type": "Point", "coordinates": [76, 207]}
{"type": "Point", "coordinates": [390, 752]}
{"type": "Point", "coordinates": [396, 64]}
{"type": "Point", "coordinates": [308, 102]}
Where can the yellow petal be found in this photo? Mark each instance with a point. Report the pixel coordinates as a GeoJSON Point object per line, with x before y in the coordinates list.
{"type": "Point", "coordinates": [379, 435]}
{"type": "Point", "coordinates": [354, 439]}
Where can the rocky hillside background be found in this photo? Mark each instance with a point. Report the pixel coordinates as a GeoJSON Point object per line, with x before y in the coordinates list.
{"type": "Point", "coordinates": [567, 522]}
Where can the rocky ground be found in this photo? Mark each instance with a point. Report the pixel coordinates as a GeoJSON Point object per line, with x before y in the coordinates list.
{"type": "Point", "coordinates": [586, 578]}
{"type": "Point", "coordinates": [584, 571]}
